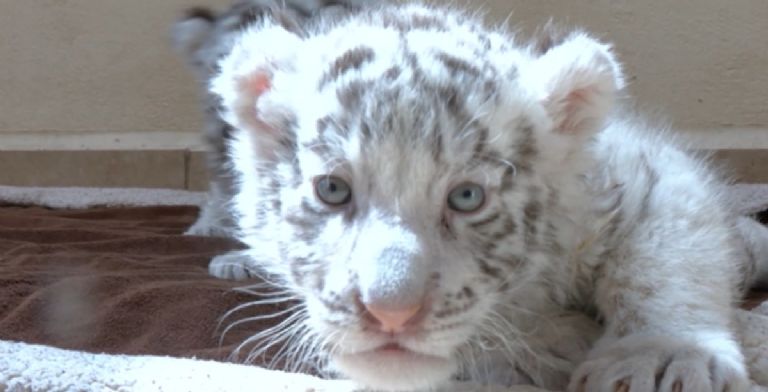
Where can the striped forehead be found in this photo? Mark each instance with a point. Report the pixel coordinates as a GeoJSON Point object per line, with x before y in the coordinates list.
{"type": "Point", "coordinates": [428, 85]}
{"type": "Point", "coordinates": [438, 120]}
{"type": "Point", "coordinates": [433, 120]}
{"type": "Point", "coordinates": [409, 45]}
{"type": "Point", "coordinates": [368, 90]}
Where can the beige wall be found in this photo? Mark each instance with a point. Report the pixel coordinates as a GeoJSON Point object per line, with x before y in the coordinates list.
{"type": "Point", "coordinates": [92, 65]}
{"type": "Point", "coordinates": [104, 66]}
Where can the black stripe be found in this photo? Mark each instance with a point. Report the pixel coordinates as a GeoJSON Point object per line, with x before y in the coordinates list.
{"type": "Point", "coordinates": [350, 60]}
{"type": "Point", "coordinates": [486, 221]}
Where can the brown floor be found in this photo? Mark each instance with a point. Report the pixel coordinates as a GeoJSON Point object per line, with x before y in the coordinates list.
{"type": "Point", "coordinates": [119, 280]}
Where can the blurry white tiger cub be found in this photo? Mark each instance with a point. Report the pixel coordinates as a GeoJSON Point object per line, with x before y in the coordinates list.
{"type": "Point", "coordinates": [449, 203]}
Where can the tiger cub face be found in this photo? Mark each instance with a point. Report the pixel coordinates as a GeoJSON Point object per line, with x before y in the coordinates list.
{"type": "Point", "coordinates": [398, 173]}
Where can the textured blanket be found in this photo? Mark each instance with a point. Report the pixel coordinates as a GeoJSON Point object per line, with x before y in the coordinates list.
{"type": "Point", "coordinates": [109, 296]}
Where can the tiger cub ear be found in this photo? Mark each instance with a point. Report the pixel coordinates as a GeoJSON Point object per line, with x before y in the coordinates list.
{"type": "Point", "coordinates": [577, 82]}
{"type": "Point", "coordinates": [246, 79]}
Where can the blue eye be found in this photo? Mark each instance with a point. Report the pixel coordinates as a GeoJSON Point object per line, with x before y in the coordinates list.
{"type": "Point", "coordinates": [467, 197]}
{"type": "Point", "coordinates": [333, 190]}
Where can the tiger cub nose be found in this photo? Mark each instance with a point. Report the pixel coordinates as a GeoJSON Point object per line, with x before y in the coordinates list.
{"type": "Point", "coordinates": [392, 320]}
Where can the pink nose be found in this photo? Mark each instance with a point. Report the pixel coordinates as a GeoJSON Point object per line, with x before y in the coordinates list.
{"type": "Point", "coordinates": [393, 320]}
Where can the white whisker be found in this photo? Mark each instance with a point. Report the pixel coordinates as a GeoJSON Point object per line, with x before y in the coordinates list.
{"type": "Point", "coordinates": [250, 304]}
{"type": "Point", "coordinates": [270, 334]}
{"type": "Point", "coordinates": [257, 318]}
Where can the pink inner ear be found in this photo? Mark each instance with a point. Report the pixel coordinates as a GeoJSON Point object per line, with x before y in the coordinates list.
{"type": "Point", "coordinates": [252, 87]}
{"type": "Point", "coordinates": [576, 108]}
{"type": "Point", "coordinates": [257, 84]}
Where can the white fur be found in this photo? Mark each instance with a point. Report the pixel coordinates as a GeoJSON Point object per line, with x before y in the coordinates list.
{"type": "Point", "coordinates": [663, 279]}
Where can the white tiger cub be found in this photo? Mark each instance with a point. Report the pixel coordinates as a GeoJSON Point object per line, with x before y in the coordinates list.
{"type": "Point", "coordinates": [448, 203]}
